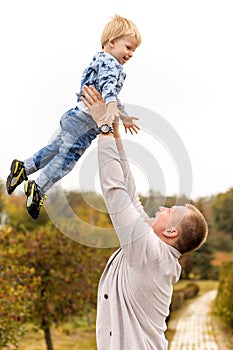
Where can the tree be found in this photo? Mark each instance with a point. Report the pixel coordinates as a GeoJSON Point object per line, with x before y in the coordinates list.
{"type": "Point", "coordinates": [223, 214]}
{"type": "Point", "coordinates": [224, 300]}
{"type": "Point", "coordinates": [3, 215]}
{"type": "Point", "coordinates": [187, 265]}
{"type": "Point", "coordinates": [18, 283]}
{"type": "Point", "coordinates": [67, 275]}
{"type": "Point", "coordinates": [18, 216]}
{"type": "Point", "coordinates": [202, 263]}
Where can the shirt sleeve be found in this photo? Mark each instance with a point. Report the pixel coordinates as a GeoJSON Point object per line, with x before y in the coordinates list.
{"type": "Point", "coordinates": [121, 107]}
{"type": "Point", "coordinates": [130, 184]}
{"type": "Point", "coordinates": [124, 207]}
{"type": "Point", "coordinates": [108, 76]}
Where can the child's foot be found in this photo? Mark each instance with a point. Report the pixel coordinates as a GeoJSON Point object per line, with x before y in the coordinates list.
{"type": "Point", "coordinates": [35, 198]}
{"type": "Point", "coordinates": [17, 175]}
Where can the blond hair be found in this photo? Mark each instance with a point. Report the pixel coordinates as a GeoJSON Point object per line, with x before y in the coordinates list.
{"type": "Point", "coordinates": [193, 230]}
{"type": "Point", "coordinates": [117, 28]}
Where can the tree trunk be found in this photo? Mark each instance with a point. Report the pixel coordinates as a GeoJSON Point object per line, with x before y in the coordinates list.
{"type": "Point", "coordinates": [89, 318]}
{"type": "Point", "coordinates": [48, 338]}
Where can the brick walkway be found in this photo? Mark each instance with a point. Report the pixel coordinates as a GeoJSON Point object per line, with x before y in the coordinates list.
{"type": "Point", "coordinates": [193, 328]}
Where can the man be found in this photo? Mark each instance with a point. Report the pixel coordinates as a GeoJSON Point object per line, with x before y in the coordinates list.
{"type": "Point", "coordinates": [136, 286]}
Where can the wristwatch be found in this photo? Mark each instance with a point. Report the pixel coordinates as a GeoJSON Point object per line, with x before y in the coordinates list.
{"type": "Point", "coordinates": [105, 129]}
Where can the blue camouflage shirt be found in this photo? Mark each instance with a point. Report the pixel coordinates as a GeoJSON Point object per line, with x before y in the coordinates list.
{"type": "Point", "coordinates": [106, 74]}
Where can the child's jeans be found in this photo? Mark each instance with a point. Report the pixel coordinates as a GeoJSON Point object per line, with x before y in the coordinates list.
{"type": "Point", "coordinates": [59, 157]}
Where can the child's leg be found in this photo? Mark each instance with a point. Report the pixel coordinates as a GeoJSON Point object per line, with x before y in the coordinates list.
{"type": "Point", "coordinates": [73, 121]}
{"type": "Point", "coordinates": [58, 158]}
{"type": "Point", "coordinates": [41, 158]}
{"type": "Point", "coordinates": [20, 170]}
{"type": "Point", "coordinates": [63, 162]}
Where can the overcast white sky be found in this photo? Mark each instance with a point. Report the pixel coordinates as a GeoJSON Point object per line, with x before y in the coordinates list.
{"type": "Point", "coordinates": [182, 71]}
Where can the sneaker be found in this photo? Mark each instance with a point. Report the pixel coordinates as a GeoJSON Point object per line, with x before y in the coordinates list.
{"type": "Point", "coordinates": [35, 198]}
{"type": "Point", "coordinates": [17, 175]}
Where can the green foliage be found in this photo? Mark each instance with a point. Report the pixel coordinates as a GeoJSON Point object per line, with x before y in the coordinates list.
{"type": "Point", "coordinates": [65, 272]}
{"type": "Point", "coordinates": [222, 209]}
{"type": "Point", "coordinates": [18, 216]}
{"type": "Point", "coordinates": [221, 241]}
{"type": "Point", "coordinates": [202, 266]}
{"type": "Point", "coordinates": [17, 294]}
{"type": "Point", "coordinates": [224, 300]}
{"type": "Point", "coordinates": [198, 264]}
{"type": "Point", "coordinates": [156, 199]}
{"type": "Point", "coordinates": [2, 200]}
{"type": "Point", "coordinates": [82, 217]}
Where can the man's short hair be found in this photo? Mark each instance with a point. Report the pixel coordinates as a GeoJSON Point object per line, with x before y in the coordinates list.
{"type": "Point", "coordinates": [193, 230]}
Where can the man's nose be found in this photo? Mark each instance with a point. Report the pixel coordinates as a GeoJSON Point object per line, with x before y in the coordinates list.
{"type": "Point", "coordinates": [163, 209]}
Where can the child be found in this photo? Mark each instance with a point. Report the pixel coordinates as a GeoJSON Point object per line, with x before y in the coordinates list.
{"type": "Point", "coordinates": [119, 40]}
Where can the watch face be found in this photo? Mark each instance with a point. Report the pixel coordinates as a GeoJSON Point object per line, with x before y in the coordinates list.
{"type": "Point", "coordinates": [105, 129]}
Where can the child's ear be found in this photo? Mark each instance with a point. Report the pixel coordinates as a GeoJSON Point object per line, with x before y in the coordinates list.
{"type": "Point", "coordinates": [111, 43]}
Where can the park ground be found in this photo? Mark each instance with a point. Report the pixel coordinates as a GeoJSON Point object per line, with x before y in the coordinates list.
{"type": "Point", "coordinates": [77, 336]}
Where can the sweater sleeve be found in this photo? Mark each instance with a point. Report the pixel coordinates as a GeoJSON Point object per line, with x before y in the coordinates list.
{"type": "Point", "coordinates": [130, 184]}
{"type": "Point", "coordinates": [123, 205]}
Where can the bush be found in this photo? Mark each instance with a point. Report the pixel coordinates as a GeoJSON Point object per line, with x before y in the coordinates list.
{"type": "Point", "coordinates": [191, 290]}
{"type": "Point", "coordinates": [224, 300]}
{"type": "Point", "coordinates": [179, 296]}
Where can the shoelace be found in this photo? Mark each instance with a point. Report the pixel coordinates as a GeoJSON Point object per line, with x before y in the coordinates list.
{"type": "Point", "coordinates": [42, 200]}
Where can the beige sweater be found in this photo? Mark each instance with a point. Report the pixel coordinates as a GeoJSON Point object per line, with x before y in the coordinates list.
{"type": "Point", "coordinates": [136, 286]}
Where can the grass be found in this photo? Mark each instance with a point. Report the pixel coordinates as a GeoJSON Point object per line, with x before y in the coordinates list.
{"type": "Point", "coordinates": [67, 337]}
{"type": "Point", "coordinates": [204, 286]}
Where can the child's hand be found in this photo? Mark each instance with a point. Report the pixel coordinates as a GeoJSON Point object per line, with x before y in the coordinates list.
{"type": "Point", "coordinates": [112, 113]}
{"type": "Point", "coordinates": [129, 124]}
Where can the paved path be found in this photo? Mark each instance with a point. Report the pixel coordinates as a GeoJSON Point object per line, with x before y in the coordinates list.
{"type": "Point", "coordinates": [193, 328]}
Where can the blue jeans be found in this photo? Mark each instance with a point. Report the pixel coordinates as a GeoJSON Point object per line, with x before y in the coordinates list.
{"type": "Point", "coordinates": [77, 130]}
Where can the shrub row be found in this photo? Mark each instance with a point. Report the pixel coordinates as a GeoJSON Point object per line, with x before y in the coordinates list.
{"type": "Point", "coordinates": [224, 300]}
{"type": "Point", "coordinates": [179, 296]}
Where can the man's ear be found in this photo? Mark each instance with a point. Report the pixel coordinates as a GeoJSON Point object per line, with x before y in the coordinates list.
{"type": "Point", "coordinates": [171, 233]}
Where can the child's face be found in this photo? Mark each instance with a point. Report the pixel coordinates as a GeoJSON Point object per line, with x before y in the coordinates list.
{"type": "Point", "coordinates": [122, 49]}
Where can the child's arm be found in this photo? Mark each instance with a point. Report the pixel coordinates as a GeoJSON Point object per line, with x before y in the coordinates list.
{"type": "Point", "coordinates": [111, 80]}
{"type": "Point", "coordinates": [129, 124]}
{"type": "Point", "coordinates": [113, 112]}
{"type": "Point", "coordinates": [127, 120]}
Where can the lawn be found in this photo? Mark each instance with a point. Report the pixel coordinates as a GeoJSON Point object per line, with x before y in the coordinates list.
{"type": "Point", "coordinates": [67, 337]}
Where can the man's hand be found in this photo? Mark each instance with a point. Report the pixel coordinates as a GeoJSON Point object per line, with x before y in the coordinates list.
{"type": "Point", "coordinates": [112, 113]}
{"type": "Point", "coordinates": [94, 102]}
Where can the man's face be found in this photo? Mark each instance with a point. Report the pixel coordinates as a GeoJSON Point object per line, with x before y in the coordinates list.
{"type": "Point", "coordinates": [168, 218]}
